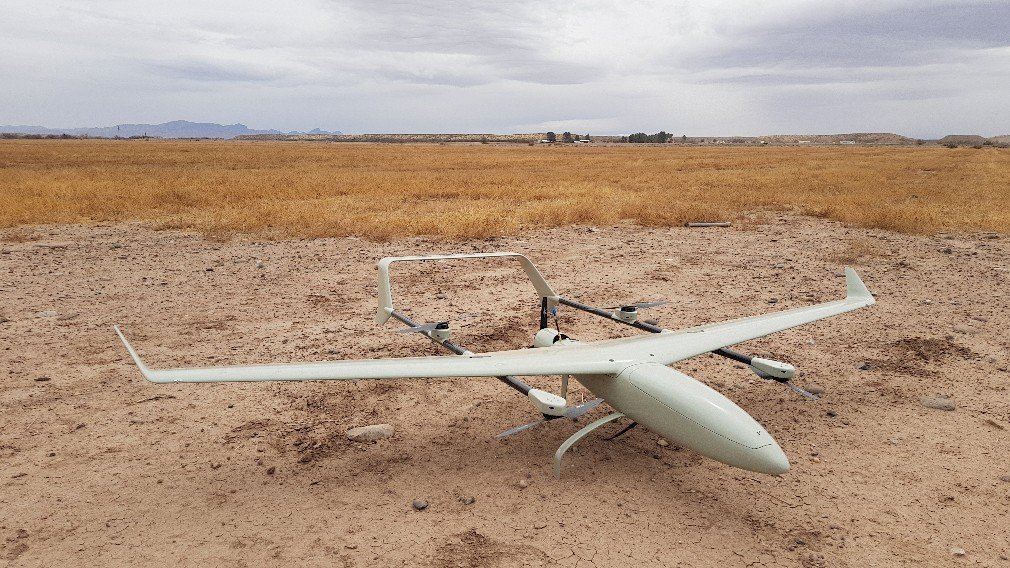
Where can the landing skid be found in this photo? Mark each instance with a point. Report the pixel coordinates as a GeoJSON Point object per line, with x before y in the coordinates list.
{"type": "Point", "coordinates": [574, 439]}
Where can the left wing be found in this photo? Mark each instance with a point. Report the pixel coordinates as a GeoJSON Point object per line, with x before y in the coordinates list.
{"type": "Point", "coordinates": [543, 361]}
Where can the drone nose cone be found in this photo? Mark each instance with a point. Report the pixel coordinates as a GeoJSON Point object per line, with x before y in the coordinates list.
{"type": "Point", "coordinates": [772, 460]}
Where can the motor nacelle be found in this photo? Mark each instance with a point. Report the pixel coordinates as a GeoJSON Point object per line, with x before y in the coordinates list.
{"type": "Point", "coordinates": [627, 314]}
{"type": "Point", "coordinates": [547, 337]}
{"type": "Point", "coordinates": [774, 369]}
{"type": "Point", "coordinates": [441, 332]}
{"type": "Point", "coordinates": [548, 403]}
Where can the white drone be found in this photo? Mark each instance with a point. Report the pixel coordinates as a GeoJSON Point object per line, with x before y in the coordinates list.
{"type": "Point", "coordinates": [629, 374]}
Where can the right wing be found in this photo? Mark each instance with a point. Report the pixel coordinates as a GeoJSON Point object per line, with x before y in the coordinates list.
{"type": "Point", "coordinates": [672, 346]}
{"type": "Point", "coordinates": [542, 361]}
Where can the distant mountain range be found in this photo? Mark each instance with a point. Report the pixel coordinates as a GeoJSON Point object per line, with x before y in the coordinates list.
{"type": "Point", "coordinates": [174, 129]}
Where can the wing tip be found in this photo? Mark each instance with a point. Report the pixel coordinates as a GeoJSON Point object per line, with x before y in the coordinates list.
{"type": "Point", "coordinates": [136, 358]}
{"type": "Point", "coordinates": [855, 289]}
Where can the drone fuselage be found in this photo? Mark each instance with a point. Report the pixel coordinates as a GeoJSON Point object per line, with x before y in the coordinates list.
{"type": "Point", "coordinates": [690, 414]}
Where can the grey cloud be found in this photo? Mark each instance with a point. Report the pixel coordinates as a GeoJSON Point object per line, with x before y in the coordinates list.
{"type": "Point", "coordinates": [906, 35]}
{"type": "Point", "coordinates": [204, 71]}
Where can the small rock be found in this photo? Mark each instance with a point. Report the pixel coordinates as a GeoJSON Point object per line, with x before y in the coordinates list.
{"type": "Point", "coordinates": [523, 483]}
{"type": "Point", "coordinates": [1005, 477]}
{"type": "Point", "coordinates": [773, 300]}
{"type": "Point", "coordinates": [419, 504]}
{"type": "Point", "coordinates": [4, 320]}
{"type": "Point", "coordinates": [42, 379]}
{"type": "Point", "coordinates": [938, 403]}
{"type": "Point", "coordinates": [957, 551]}
{"type": "Point", "coordinates": [469, 500]}
{"type": "Point", "coordinates": [22, 533]}
{"type": "Point", "coordinates": [947, 250]}
{"type": "Point", "coordinates": [815, 389]}
{"type": "Point", "coordinates": [46, 314]}
{"type": "Point", "coordinates": [271, 470]}
{"type": "Point", "coordinates": [259, 264]}
{"type": "Point", "coordinates": [67, 317]}
{"type": "Point", "coordinates": [351, 546]}
{"type": "Point", "coordinates": [831, 413]}
{"type": "Point", "coordinates": [864, 366]}
{"type": "Point", "coordinates": [662, 442]}
{"type": "Point", "coordinates": [370, 433]}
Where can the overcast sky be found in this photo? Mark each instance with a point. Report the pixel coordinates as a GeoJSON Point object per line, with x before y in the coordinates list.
{"type": "Point", "coordinates": [716, 67]}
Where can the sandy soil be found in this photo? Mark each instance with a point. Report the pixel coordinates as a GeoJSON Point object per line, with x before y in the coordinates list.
{"type": "Point", "coordinates": [101, 468]}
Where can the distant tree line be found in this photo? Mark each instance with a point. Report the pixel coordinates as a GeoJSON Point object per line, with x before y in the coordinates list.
{"type": "Point", "coordinates": [566, 137]}
{"type": "Point", "coordinates": [660, 137]}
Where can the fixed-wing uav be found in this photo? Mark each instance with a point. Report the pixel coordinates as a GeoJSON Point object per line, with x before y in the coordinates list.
{"type": "Point", "coordinates": [630, 374]}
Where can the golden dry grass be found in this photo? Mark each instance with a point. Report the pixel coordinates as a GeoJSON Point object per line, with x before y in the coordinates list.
{"type": "Point", "coordinates": [382, 191]}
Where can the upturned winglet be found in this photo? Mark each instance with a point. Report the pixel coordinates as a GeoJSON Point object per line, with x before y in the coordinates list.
{"type": "Point", "coordinates": [136, 358]}
{"type": "Point", "coordinates": [855, 290]}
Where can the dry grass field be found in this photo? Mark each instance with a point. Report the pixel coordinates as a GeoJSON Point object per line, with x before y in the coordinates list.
{"type": "Point", "coordinates": [380, 191]}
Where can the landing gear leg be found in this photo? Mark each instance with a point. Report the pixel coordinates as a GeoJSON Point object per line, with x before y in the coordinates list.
{"type": "Point", "coordinates": [574, 439]}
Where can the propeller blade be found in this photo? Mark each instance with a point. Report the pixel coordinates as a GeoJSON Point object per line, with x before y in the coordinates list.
{"type": "Point", "coordinates": [801, 391]}
{"type": "Point", "coordinates": [640, 305]}
{"type": "Point", "coordinates": [520, 428]}
{"type": "Point", "coordinates": [431, 326]}
{"type": "Point", "coordinates": [576, 411]}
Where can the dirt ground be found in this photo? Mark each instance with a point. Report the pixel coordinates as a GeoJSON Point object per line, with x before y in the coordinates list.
{"type": "Point", "coordinates": [100, 467]}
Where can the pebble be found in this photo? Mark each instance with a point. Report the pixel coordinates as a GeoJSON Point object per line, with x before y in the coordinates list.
{"type": "Point", "coordinates": [42, 379]}
{"type": "Point", "coordinates": [4, 320]}
{"type": "Point", "coordinates": [419, 504]}
{"type": "Point", "coordinates": [271, 470]}
{"type": "Point", "coordinates": [864, 366]}
{"type": "Point", "coordinates": [469, 500]}
{"type": "Point", "coordinates": [662, 442]}
{"type": "Point", "coordinates": [773, 300]}
{"type": "Point", "coordinates": [1005, 477]}
{"type": "Point", "coordinates": [938, 403]}
{"type": "Point", "coordinates": [370, 433]}
{"type": "Point", "coordinates": [957, 551]}
{"type": "Point", "coordinates": [831, 413]}
{"type": "Point", "coordinates": [815, 389]}
{"type": "Point", "coordinates": [523, 483]}
{"type": "Point", "coordinates": [46, 314]}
